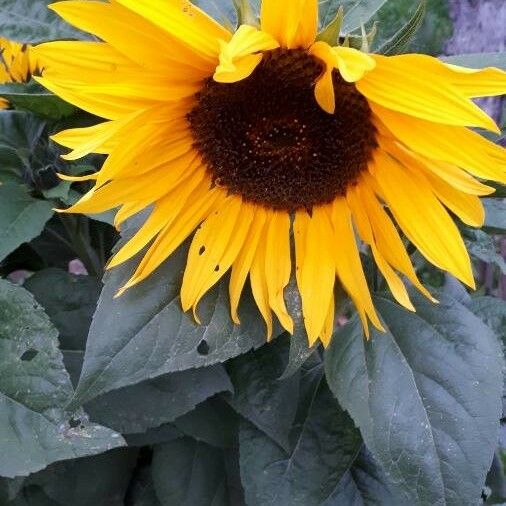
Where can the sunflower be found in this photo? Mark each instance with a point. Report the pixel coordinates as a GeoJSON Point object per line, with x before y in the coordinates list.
{"type": "Point", "coordinates": [16, 64]}
{"type": "Point", "coordinates": [269, 137]}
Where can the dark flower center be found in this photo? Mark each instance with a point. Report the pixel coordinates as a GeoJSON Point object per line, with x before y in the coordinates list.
{"type": "Point", "coordinates": [266, 138]}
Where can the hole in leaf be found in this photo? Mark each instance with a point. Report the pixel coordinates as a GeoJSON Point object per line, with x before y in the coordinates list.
{"type": "Point", "coordinates": [201, 250]}
{"type": "Point", "coordinates": [203, 347]}
{"type": "Point", "coordinates": [217, 268]}
{"type": "Point", "coordinates": [74, 422]}
{"type": "Point", "coordinates": [29, 355]}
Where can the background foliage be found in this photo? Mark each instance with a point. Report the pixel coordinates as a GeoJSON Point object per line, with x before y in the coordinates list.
{"type": "Point", "coordinates": [129, 401]}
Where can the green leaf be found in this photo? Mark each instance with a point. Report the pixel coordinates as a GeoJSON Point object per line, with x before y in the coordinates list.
{"type": "Point", "coordinates": [19, 134]}
{"type": "Point", "coordinates": [478, 60]}
{"type": "Point", "coordinates": [157, 435]}
{"type": "Point", "coordinates": [31, 21]}
{"type": "Point", "coordinates": [144, 333]}
{"type": "Point", "coordinates": [34, 386]}
{"type": "Point", "coordinates": [21, 217]}
{"type": "Point", "coordinates": [482, 246]}
{"type": "Point", "coordinates": [259, 394]}
{"type": "Point", "coordinates": [152, 403]}
{"type": "Point", "coordinates": [436, 28]}
{"type": "Point", "coordinates": [426, 395]}
{"type": "Point", "coordinates": [69, 482]}
{"type": "Point", "coordinates": [359, 13]}
{"type": "Point", "coordinates": [398, 42]}
{"type": "Point", "coordinates": [200, 476]}
{"type": "Point", "coordinates": [320, 455]}
{"type": "Point", "coordinates": [495, 219]}
{"type": "Point", "coordinates": [212, 422]}
{"type": "Point", "coordinates": [33, 98]}
{"type": "Point", "coordinates": [141, 490]}
{"type": "Point", "coordinates": [69, 300]}
{"type": "Point", "coordinates": [492, 311]}
{"type": "Point", "coordinates": [364, 484]}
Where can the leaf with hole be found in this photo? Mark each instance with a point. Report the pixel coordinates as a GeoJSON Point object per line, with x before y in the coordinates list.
{"type": "Point", "coordinates": [35, 430]}
{"type": "Point", "coordinates": [144, 333]}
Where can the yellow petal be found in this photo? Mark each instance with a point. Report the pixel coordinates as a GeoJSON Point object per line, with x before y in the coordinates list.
{"type": "Point", "coordinates": [293, 24]}
{"type": "Point", "coordinates": [353, 64]}
{"type": "Point", "coordinates": [152, 142]}
{"type": "Point", "coordinates": [94, 139]}
{"type": "Point", "coordinates": [198, 207]}
{"type": "Point", "coordinates": [328, 327]}
{"type": "Point", "coordinates": [315, 268]}
{"type": "Point", "coordinates": [154, 46]}
{"type": "Point", "coordinates": [387, 238]}
{"type": "Point", "coordinates": [99, 105]}
{"type": "Point", "coordinates": [471, 82]}
{"type": "Point", "coordinates": [324, 87]}
{"type": "Point", "coordinates": [147, 188]}
{"type": "Point", "coordinates": [278, 264]}
{"type": "Point", "coordinates": [240, 56]}
{"type": "Point", "coordinates": [243, 262]}
{"type": "Point", "coordinates": [422, 217]}
{"type": "Point", "coordinates": [214, 248]}
{"type": "Point", "coordinates": [487, 82]}
{"type": "Point", "coordinates": [397, 83]}
{"type": "Point", "coordinates": [349, 266]}
{"type": "Point", "coordinates": [361, 219]}
{"type": "Point", "coordinates": [162, 216]}
{"type": "Point", "coordinates": [455, 145]}
{"type": "Point", "coordinates": [259, 281]}
{"type": "Point", "coordinates": [483, 82]}
{"type": "Point", "coordinates": [184, 21]}
{"type": "Point", "coordinates": [467, 207]}
{"type": "Point", "coordinates": [450, 173]}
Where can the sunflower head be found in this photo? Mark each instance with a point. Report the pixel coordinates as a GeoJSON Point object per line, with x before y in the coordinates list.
{"type": "Point", "coordinates": [269, 137]}
{"type": "Point", "coordinates": [17, 64]}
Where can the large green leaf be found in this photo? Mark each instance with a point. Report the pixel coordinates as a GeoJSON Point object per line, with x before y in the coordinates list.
{"type": "Point", "coordinates": [69, 300]}
{"type": "Point", "coordinates": [483, 247]}
{"type": "Point", "coordinates": [144, 333]}
{"type": "Point", "coordinates": [152, 403]}
{"type": "Point", "coordinates": [142, 491]}
{"type": "Point", "coordinates": [20, 132]}
{"type": "Point", "coordinates": [69, 482]}
{"type": "Point", "coordinates": [35, 430]}
{"type": "Point", "coordinates": [492, 311]}
{"type": "Point", "coordinates": [31, 21]}
{"type": "Point", "coordinates": [212, 422]}
{"type": "Point", "coordinates": [478, 60]}
{"type": "Point", "coordinates": [495, 219]}
{"type": "Point", "coordinates": [426, 395]}
{"type": "Point", "coordinates": [200, 477]}
{"type": "Point", "coordinates": [365, 484]}
{"type": "Point", "coordinates": [21, 217]}
{"type": "Point", "coordinates": [259, 394]}
{"type": "Point", "coordinates": [322, 450]}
